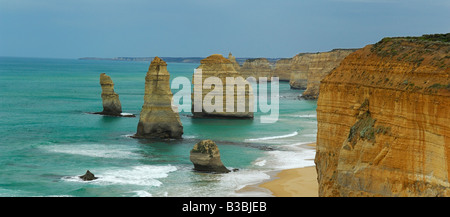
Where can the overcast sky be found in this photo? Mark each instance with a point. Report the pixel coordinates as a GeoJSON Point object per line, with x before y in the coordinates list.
{"type": "Point", "coordinates": [199, 28]}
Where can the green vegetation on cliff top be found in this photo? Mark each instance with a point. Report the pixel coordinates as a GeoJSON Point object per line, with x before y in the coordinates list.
{"type": "Point", "coordinates": [432, 37]}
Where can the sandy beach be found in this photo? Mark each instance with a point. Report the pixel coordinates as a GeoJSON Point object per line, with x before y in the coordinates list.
{"type": "Point", "coordinates": [299, 182]}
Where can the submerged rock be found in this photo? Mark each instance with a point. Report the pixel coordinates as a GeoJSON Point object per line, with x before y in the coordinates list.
{"type": "Point", "coordinates": [158, 119]}
{"type": "Point", "coordinates": [206, 157]}
{"type": "Point", "coordinates": [88, 176]}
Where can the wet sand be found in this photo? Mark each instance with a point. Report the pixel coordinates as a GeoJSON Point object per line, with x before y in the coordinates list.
{"type": "Point", "coordinates": [299, 182]}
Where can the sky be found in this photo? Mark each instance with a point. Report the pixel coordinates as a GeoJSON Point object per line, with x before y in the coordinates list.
{"type": "Point", "coordinates": [199, 28]}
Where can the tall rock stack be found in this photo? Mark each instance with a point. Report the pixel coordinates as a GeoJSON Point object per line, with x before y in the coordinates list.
{"type": "Point", "coordinates": [211, 90]}
{"type": "Point", "coordinates": [236, 65]}
{"type": "Point", "coordinates": [157, 119]}
{"type": "Point", "coordinates": [110, 99]}
{"type": "Point", "coordinates": [383, 119]}
{"type": "Point", "coordinates": [257, 67]}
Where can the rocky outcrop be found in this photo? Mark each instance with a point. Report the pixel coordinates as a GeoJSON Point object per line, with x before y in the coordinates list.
{"type": "Point", "coordinates": [383, 119]}
{"type": "Point", "coordinates": [256, 68]}
{"type": "Point", "coordinates": [206, 157]}
{"type": "Point", "coordinates": [282, 69]}
{"type": "Point", "coordinates": [158, 119]}
{"type": "Point", "coordinates": [88, 176]}
{"type": "Point", "coordinates": [232, 59]}
{"type": "Point", "coordinates": [209, 98]}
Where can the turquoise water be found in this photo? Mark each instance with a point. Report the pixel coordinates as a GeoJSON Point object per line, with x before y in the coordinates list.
{"type": "Point", "coordinates": [49, 138]}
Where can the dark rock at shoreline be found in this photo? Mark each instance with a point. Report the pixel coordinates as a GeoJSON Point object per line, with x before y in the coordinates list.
{"type": "Point", "coordinates": [88, 176]}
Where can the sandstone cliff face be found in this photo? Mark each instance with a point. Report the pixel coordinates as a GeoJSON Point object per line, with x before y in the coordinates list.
{"type": "Point", "coordinates": [206, 157]}
{"type": "Point", "coordinates": [299, 71]}
{"type": "Point", "coordinates": [319, 66]}
{"type": "Point", "coordinates": [282, 69]}
{"type": "Point", "coordinates": [157, 119]}
{"type": "Point", "coordinates": [258, 67]}
{"type": "Point", "coordinates": [383, 119]}
{"type": "Point", "coordinates": [308, 69]}
{"type": "Point", "coordinates": [110, 99]}
{"type": "Point", "coordinates": [209, 100]}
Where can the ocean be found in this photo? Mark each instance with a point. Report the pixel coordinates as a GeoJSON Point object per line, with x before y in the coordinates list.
{"type": "Point", "coordinates": [49, 137]}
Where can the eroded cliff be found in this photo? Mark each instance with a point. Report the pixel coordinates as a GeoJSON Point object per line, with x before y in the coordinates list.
{"type": "Point", "coordinates": [383, 119]}
{"type": "Point", "coordinates": [308, 69]}
{"type": "Point", "coordinates": [299, 70]}
{"type": "Point", "coordinates": [282, 69]}
{"type": "Point", "coordinates": [257, 68]}
{"type": "Point", "coordinates": [320, 65]}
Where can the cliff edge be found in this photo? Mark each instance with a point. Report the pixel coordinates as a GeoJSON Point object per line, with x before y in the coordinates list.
{"type": "Point", "coordinates": [383, 119]}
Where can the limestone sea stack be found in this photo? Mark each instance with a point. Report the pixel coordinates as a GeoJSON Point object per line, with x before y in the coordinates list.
{"type": "Point", "coordinates": [157, 119]}
{"type": "Point", "coordinates": [232, 59]}
{"type": "Point", "coordinates": [111, 102]}
{"type": "Point", "coordinates": [206, 157]}
{"type": "Point", "coordinates": [257, 67]}
{"type": "Point", "coordinates": [383, 121]}
{"type": "Point", "coordinates": [221, 91]}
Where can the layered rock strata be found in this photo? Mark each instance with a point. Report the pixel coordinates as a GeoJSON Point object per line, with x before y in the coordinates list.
{"type": "Point", "coordinates": [320, 66]}
{"type": "Point", "coordinates": [158, 119]}
{"type": "Point", "coordinates": [308, 69]}
{"type": "Point", "coordinates": [383, 119]}
{"type": "Point", "coordinates": [257, 68]}
{"type": "Point", "coordinates": [282, 69]}
{"type": "Point", "coordinates": [220, 91]}
{"type": "Point", "coordinates": [205, 156]}
{"type": "Point", "coordinates": [299, 71]}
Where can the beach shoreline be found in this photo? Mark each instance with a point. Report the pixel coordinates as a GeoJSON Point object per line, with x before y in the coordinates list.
{"type": "Point", "coordinates": [294, 182]}
{"type": "Point", "coordinates": [297, 182]}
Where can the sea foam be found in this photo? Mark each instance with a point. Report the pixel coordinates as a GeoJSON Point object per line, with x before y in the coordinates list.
{"type": "Point", "coordinates": [272, 137]}
{"type": "Point", "coordinates": [143, 175]}
{"type": "Point", "coordinates": [94, 150]}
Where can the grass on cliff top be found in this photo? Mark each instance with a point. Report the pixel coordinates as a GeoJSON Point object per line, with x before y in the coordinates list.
{"type": "Point", "coordinates": [395, 47]}
{"type": "Point", "coordinates": [432, 37]}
